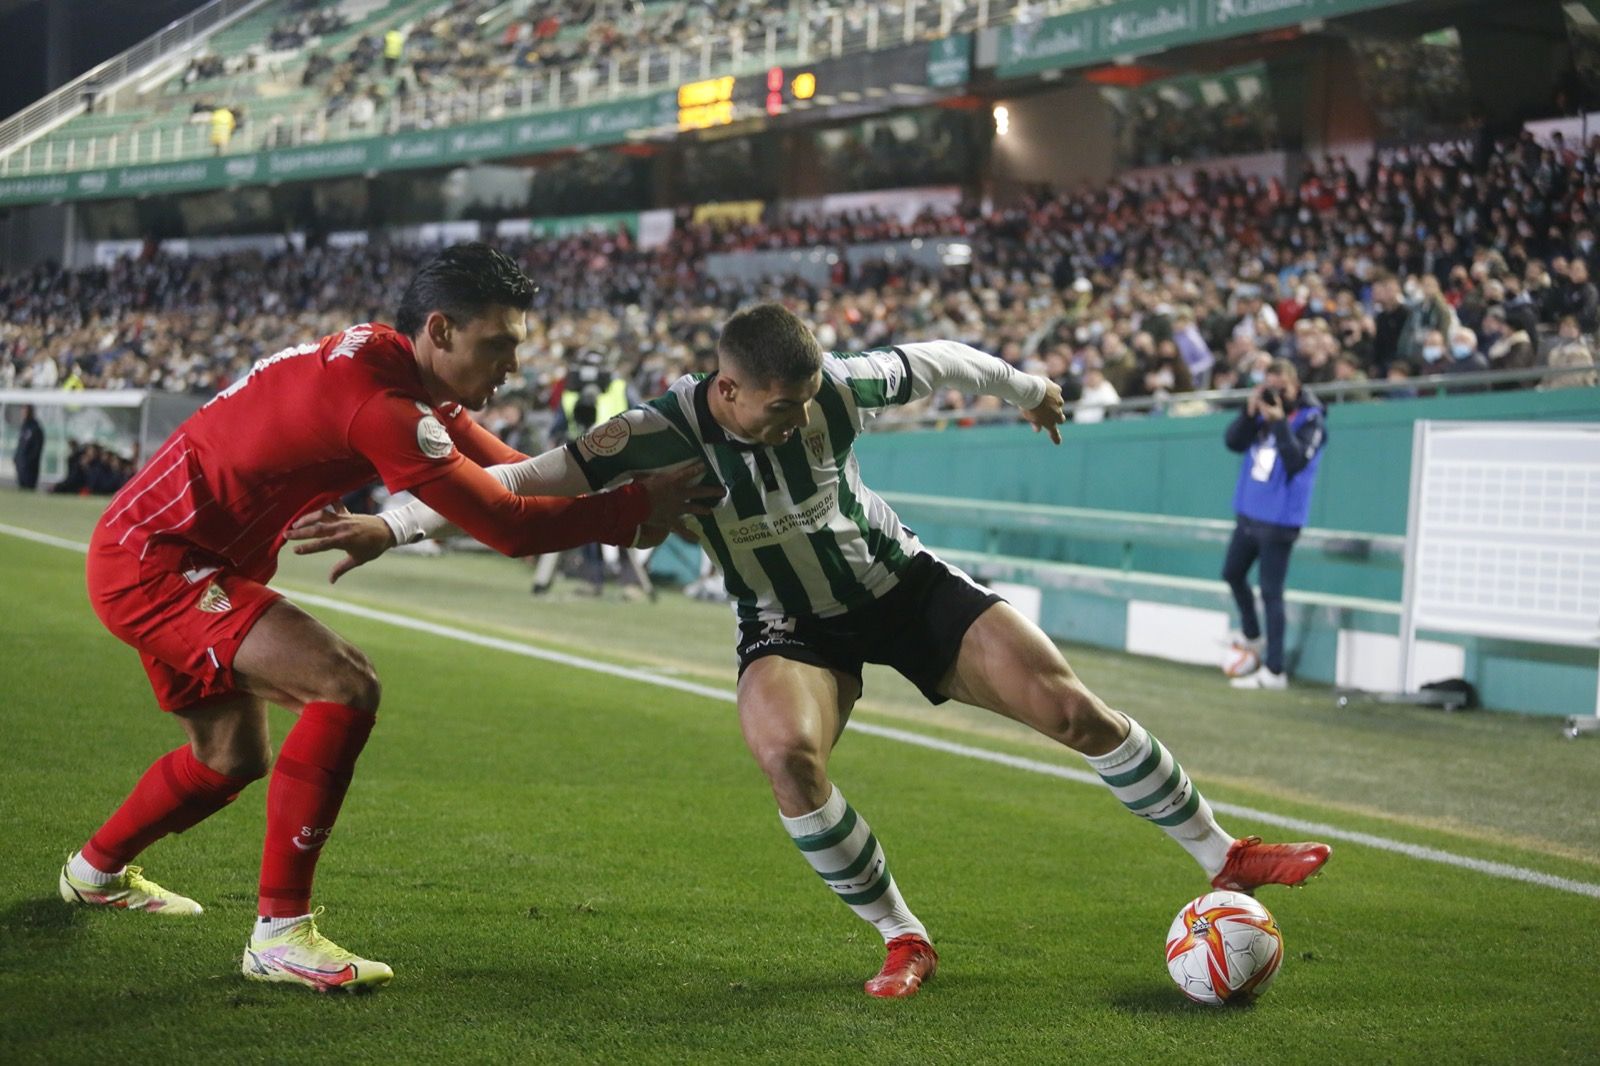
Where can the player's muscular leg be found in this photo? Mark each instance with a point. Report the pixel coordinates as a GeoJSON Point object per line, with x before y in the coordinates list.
{"type": "Point", "coordinates": [293, 659]}
{"type": "Point", "coordinates": [229, 734]}
{"type": "Point", "coordinates": [792, 714]}
{"type": "Point", "coordinates": [1008, 666]}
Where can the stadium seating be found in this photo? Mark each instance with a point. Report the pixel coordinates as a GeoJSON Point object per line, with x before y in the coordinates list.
{"type": "Point", "coordinates": [1064, 285]}
{"type": "Point", "coordinates": [278, 77]}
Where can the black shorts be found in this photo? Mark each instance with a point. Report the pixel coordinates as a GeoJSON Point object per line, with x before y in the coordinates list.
{"type": "Point", "coordinates": [916, 628]}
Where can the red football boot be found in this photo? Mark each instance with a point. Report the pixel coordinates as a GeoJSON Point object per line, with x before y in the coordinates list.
{"type": "Point", "coordinates": [911, 961]}
{"type": "Point", "coordinates": [1252, 864]}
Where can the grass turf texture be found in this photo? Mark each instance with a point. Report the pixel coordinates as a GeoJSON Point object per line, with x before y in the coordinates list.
{"type": "Point", "coordinates": [565, 867]}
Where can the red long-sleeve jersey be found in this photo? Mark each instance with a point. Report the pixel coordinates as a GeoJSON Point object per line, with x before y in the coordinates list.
{"type": "Point", "coordinates": [311, 423]}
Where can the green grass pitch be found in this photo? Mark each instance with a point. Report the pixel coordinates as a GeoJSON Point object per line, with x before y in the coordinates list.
{"type": "Point", "coordinates": [568, 867]}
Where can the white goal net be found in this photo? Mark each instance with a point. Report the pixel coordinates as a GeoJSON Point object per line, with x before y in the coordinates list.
{"type": "Point", "coordinates": [1503, 537]}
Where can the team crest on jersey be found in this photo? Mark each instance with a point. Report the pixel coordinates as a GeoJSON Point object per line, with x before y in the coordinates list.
{"type": "Point", "coordinates": [608, 438]}
{"type": "Point", "coordinates": [214, 601]}
{"type": "Point", "coordinates": [815, 444]}
{"type": "Point", "coordinates": [432, 437]}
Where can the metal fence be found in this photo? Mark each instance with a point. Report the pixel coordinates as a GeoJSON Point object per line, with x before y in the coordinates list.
{"type": "Point", "coordinates": [67, 101]}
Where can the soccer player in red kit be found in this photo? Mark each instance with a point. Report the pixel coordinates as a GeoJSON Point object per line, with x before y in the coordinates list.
{"type": "Point", "coordinates": [179, 564]}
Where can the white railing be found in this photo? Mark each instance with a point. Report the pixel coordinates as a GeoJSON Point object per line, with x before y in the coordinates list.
{"type": "Point", "coordinates": [803, 35]}
{"type": "Point", "coordinates": [68, 101]}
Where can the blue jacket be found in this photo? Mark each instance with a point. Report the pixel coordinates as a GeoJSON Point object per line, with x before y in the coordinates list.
{"type": "Point", "coordinates": [1280, 463]}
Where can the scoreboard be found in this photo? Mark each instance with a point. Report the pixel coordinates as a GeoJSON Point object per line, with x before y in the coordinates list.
{"type": "Point", "coordinates": [853, 84]}
{"type": "Point", "coordinates": [723, 101]}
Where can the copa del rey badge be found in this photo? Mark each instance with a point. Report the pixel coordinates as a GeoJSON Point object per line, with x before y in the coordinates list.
{"type": "Point", "coordinates": [432, 437]}
{"type": "Point", "coordinates": [609, 437]}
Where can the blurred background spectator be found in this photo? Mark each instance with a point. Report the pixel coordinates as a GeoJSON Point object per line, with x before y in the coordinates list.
{"type": "Point", "coordinates": [1155, 288]}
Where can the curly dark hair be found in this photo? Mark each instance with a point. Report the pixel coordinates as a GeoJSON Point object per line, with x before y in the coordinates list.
{"type": "Point", "coordinates": [463, 282]}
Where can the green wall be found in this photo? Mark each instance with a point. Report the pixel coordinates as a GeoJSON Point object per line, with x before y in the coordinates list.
{"type": "Point", "coordinates": [1179, 466]}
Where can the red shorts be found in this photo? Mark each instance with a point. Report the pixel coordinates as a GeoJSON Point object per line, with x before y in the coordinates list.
{"type": "Point", "coordinates": [185, 611]}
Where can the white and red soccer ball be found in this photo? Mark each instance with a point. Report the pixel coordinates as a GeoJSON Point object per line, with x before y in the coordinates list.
{"type": "Point", "coordinates": [1223, 948]}
{"type": "Point", "coordinates": [1242, 657]}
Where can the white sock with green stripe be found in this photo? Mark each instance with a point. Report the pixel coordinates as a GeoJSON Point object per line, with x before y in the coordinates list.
{"type": "Point", "coordinates": [1150, 783]}
{"type": "Point", "coordinates": [840, 846]}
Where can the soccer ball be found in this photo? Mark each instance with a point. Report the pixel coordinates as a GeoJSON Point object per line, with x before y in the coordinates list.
{"type": "Point", "coordinates": [1243, 657]}
{"type": "Point", "coordinates": [1223, 948]}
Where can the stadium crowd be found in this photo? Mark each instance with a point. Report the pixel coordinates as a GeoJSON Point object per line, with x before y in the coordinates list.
{"type": "Point", "coordinates": [1427, 261]}
{"type": "Point", "coordinates": [432, 65]}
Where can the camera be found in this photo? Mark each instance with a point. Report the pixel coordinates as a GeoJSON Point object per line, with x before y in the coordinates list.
{"type": "Point", "coordinates": [1272, 397]}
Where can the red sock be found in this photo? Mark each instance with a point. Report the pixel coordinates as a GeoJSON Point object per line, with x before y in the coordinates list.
{"type": "Point", "coordinates": [308, 785]}
{"type": "Point", "coordinates": [178, 791]}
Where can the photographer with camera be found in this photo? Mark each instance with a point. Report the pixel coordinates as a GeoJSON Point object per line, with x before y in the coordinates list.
{"type": "Point", "coordinates": [1280, 433]}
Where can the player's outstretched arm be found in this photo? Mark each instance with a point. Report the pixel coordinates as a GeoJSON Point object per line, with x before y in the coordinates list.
{"type": "Point", "coordinates": [1049, 414]}
{"type": "Point", "coordinates": [936, 365]}
{"type": "Point", "coordinates": [552, 473]}
{"type": "Point", "coordinates": [364, 538]}
{"type": "Point", "coordinates": [513, 524]}
{"type": "Point", "coordinates": [531, 525]}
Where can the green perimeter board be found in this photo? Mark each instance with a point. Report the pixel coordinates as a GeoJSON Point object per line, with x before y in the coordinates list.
{"type": "Point", "coordinates": [1140, 27]}
{"type": "Point", "coordinates": [600, 124]}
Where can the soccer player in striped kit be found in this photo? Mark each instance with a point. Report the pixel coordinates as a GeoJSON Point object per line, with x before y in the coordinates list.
{"type": "Point", "coordinates": [826, 578]}
{"type": "Point", "coordinates": [179, 563]}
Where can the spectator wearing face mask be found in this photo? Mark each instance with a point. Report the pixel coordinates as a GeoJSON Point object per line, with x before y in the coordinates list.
{"type": "Point", "coordinates": [1433, 352]}
{"type": "Point", "coordinates": [1464, 355]}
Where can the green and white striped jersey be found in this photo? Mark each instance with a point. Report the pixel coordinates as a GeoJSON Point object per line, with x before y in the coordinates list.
{"type": "Point", "coordinates": [797, 533]}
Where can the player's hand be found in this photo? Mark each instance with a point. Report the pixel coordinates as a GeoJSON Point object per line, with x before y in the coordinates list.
{"type": "Point", "coordinates": [674, 495]}
{"type": "Point", "coordinates": [361, 537]}
{"type": "Point", "coordinates": [1050, 413]}
{"type": "Point", "coordinates": [654, 536]}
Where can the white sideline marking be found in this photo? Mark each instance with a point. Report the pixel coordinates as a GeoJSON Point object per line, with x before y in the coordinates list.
{"type": "Point", "coordinates": [44, 538]}
{"type": "Point", "coordinates": [1319, 830]}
